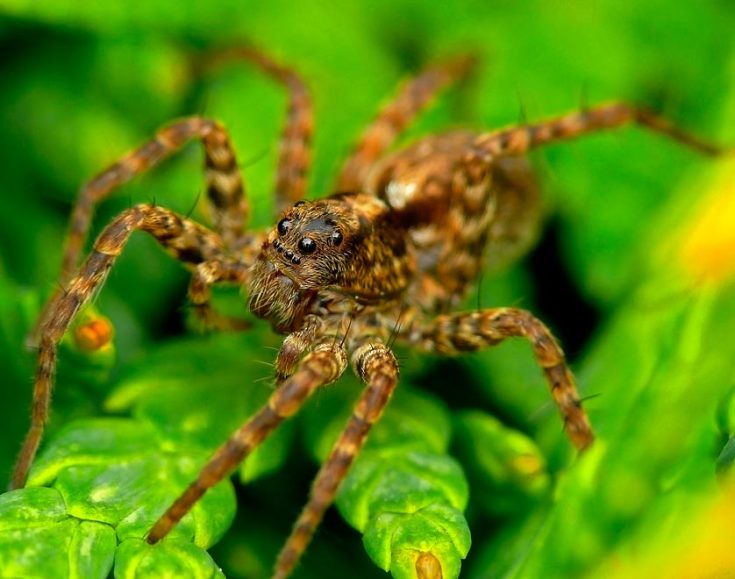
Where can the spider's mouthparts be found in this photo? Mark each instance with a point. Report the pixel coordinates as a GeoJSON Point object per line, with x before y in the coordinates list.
{"type": "Point", "coordinates": [273, 292]}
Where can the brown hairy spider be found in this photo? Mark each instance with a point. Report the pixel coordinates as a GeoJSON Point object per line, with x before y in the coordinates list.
{"type": "Point", "coordinates": [387, 257]}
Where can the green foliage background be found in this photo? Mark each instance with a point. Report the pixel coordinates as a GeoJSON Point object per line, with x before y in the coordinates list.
{"type": "Point", "coordinates": [82, 83]}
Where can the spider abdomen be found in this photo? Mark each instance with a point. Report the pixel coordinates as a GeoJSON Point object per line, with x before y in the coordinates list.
{"type": "Point", "coordinates": [459, 209]}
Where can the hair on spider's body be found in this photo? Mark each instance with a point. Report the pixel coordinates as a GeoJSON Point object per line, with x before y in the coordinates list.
{"type": "Point", "coordinates": [347, 245]}
{"type": "Point", "coordinates": [385, 260]}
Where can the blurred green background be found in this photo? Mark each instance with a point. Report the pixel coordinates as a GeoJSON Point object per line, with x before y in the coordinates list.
{"type": "Point", "coordinates": [82, 83]}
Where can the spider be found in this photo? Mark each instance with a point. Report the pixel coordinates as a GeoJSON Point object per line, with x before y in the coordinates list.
{"type": "Point", "coordinates": [387, 257]}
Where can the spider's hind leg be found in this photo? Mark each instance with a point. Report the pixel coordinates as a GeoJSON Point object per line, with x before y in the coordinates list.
{"type": "Point", "coordinates": [412, 98]}
{"type": "Point", "coordinates": [518, 140]}
{"type": "Point", "coordinates": [466, 332]}
{"type": "Point", "coordinates": [294, 156]}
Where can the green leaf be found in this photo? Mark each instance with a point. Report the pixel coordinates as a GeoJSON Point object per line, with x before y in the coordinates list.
{"type": "Point", "coordinates": [404, 493]}
{"type": "Point", "coordinates": [111, 481]}
{"type": "Point", "coordinates": [505, 465]}
{"type": "Point", "coordinates": [31, 507]}
{"type": "Point", "coordinates": [172, 558]}
{"type": "Point", "coordinates": [82, 83]}
{"type": "Point", "coordinates": [38, 538]}
{"type": "Point", "coordinates": [196, 392]}
{"type": "Point", "coordinates": [395, 540]}
{"type": "Point", "coordinates": [414, 420]}
{"type": "Point", "coordinates": [400, 482]}
{"type": "Point", "coordinates": [508, 549]}
{"type": "Point", "coordinates": [727, 457]}
{"type": "Point", "coordinates": [104, 470]}
{"type": "Point", "coordinates": [726, 413]}
{"type": "Point", "coordinates": [657, 433]}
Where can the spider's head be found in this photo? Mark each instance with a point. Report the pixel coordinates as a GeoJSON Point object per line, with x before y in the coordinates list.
{"type": "Point", "coordinates": [309, 249]}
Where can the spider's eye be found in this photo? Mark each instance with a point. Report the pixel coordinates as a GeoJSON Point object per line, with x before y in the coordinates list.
{"type": "Point", "coordinates": [307, 245]}
{"type": "Point", "coordinates": [336, 237]}
{"type": "Point", "coordinates": [299, 203]}
{"type": "Point", "coordinates": [283, 226]}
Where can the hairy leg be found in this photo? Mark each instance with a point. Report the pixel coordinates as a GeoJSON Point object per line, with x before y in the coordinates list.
{"type": "Point", "coordinates": [465, 332]}
{"type": "Point", "coordinates": [412, 98]}
{"type": "Point", "coordinates": [204, 277]}
{"type": "Point", "coordinates": [377, 367]}
{"type": "Point", "coordinates": [228, 205]}
{"type": "Point", "coordinates": [185, 239]}
{"type": "Point", "coordinates": [295, 345]}
{"type": "Point", "coordinates": [322, 365]}
{"type": "Point", "coordinates": [294, 157]}
{"type": "Point", "coordinates": [518, 140]}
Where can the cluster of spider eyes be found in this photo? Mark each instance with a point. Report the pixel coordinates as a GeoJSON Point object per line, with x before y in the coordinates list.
{"type": "Point", "coordinates": [306, 245]}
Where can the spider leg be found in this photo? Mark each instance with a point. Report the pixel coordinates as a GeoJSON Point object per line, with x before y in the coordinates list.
{"type": "Point", "coordinates": [295, 345]}
{"type": "Point", "coordinates": [377, 367]}
{"type": "Point", "coordinates": [412, 98]}
{"type": "Point", "coordinates": [206, 275]}
{"type": "Point", "coordinates": [518, 140]}
{"type": "Point", "coordinates": [294, 157]}
{"type": "Point", "coordinates": [228, 206]}
{"type": "Point", "coordinates": [322, 365]}
{"type": "Point", "coordinates": [463, 332]}
{"type": "Point", "coordinates": [185, 239]}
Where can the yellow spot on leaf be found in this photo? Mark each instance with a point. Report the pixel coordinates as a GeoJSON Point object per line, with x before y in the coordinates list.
{"type": "Point", "coordinates": [708, 248]}
{"type": "Point", "coordinates": [103, 493]}
{"type": "Point", "coordinates": [527, 465]}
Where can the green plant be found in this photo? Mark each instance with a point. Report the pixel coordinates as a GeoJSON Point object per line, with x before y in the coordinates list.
{"type": "Point", "coordinates": [85, 84]}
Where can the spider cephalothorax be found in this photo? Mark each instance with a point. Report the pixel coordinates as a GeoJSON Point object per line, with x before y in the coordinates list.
{"type": "Point", "coordinates": [345, 275]}
{"type": "Point", "coordinates": [349, 244]}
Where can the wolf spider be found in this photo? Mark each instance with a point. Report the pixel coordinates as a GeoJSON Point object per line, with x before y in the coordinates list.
{"type": "Point", "coordinates": [385, 258]}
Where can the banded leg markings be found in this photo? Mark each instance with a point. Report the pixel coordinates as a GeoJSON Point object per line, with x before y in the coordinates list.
{"type": "Point", "coordinates": [413, 97]}
{"type": "Point", "coordinates": [377, 367]}
{"type": "Point", "coordinates": [205, 276]}
{"type": "Point", "coordinates": [294, 156]}
{"type": "Point", "coordinates": [519, 140]}
{"type": "Point", "coordinates": [455, 333]}
{"type": "Point", "coordinates": [324, 364]}
{"type": "Point", "coordinates": [186, 240]}
{"type": "Point", "coordinates": [224, 182]}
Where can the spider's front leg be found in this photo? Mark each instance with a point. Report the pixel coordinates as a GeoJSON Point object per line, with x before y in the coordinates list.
{"type": "Point", "coordinates": [376, 366]}
{"type": "Point", "coordinates": [466, 332]}
{"type": "Point", "coordinates": [186, 240]}
{"type": "Point", "coordinates": [322, 365]}
{"type": "Point", "coordinates": [228, 206]}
